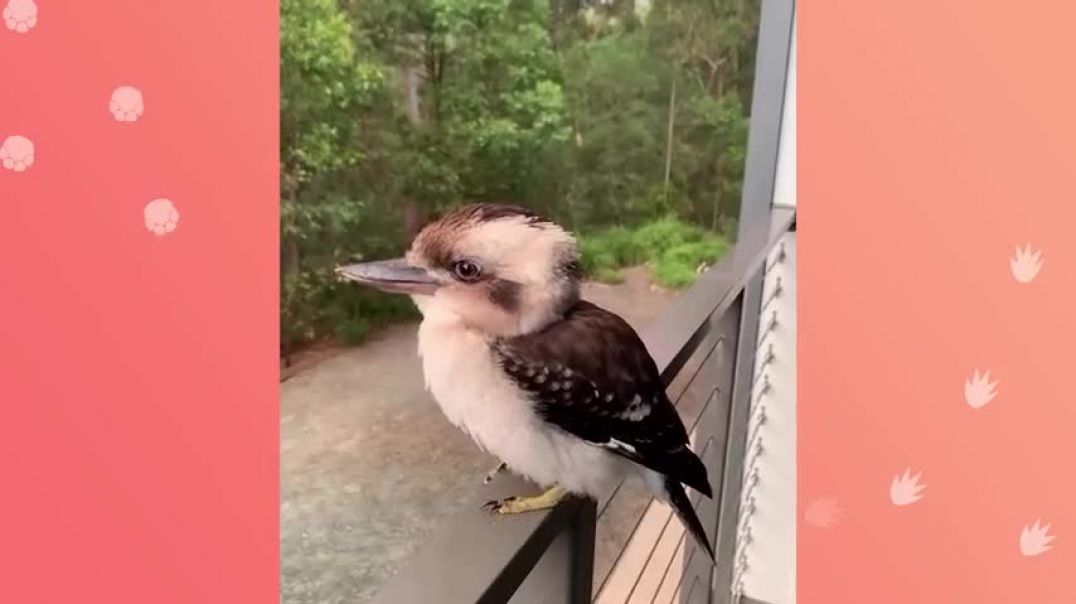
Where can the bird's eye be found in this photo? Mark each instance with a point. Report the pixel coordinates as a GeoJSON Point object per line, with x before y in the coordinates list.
{"type": "Point", "coordinates": [466, 270]}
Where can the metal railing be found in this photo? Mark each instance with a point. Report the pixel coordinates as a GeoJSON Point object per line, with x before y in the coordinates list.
{"type": "Point", "coordinates": [704, 345]}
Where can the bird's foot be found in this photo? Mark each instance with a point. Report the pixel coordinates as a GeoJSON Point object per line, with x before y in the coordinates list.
{"type": "Point", "coordinates": [518, 505]}
{"type": "Point", "coordinates": [494, 472]}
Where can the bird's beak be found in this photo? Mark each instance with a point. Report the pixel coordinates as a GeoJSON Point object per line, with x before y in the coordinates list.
{"type": "Point", "coordinates": [395, 276]}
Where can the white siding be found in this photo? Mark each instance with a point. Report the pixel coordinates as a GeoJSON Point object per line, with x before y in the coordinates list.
{"type": "Point", "coordinates": [785, 187]}
{"type": "Point", "coordinates": [766, 564]}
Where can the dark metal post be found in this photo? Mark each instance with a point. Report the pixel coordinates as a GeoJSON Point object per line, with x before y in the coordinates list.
{"type": "Point", "coordinates": [565, 571]}
{"type": "Point", "coordinates": [582, 557]}
{"type": "Point", "coordinates": [732, 480]}
{"type": "Point", "coordinates": [767, 111]}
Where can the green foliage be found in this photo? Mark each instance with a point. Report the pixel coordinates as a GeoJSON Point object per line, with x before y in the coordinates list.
{"type": "Point", "coordinates": [678, 265]}
{"type": "Point", "coordinates": [614, 247]}
{"type": "Point", "coordinates": [660, 235]}
{"type": "Point", "coordinates": [394, 109]}
{"type": "Point", "coordinates": [323, 83]}
{"type": "Point", "coordinates": [707, 251]}
{"type": "Point", "coordinates": [673, 248]}
{"type": "Point", "coordinates": [327, 306]}
{"type": "Point", "coordinates": [673, 274]}
{"type": "Point", "coordinates": [609, 275]}
{"type": "Point", "coordinates": [615, 87]}
{"type": "Point", "coordinates": [595, 256]}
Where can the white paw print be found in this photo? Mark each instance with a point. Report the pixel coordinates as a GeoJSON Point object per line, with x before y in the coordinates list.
{"type": "Point", "coordinates": [822, 512]}
{"type": "Point", "coordinates": [979, 390]}
{"type": "Point", "coordinates": [1035, 539]}
{"type": "Point", "coordinates": [126, 104]}
{"type": "Point", "coordinates": [161, 216]}
{"type": "Point", "coordinates": [17, 153]}
{"type": "Point", "coordinates": [20, 15]}
{"type": "Point", "coordinates": [1025, 264]}
{"type": "Point", "coordinates": [905, 488]}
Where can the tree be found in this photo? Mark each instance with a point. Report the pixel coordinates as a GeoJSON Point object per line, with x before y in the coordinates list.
{"type": "Point", "coordinates": [596, 112]}
{"type": "Point", "coordinates": [323, 84]}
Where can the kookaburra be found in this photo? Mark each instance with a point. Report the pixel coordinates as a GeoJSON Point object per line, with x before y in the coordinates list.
{"type": "Point", "coordinates": [563, 392]}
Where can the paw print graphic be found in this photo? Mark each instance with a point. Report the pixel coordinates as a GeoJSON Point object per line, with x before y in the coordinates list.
{"type": "Point", "coordinates": [126, 104]}
{"type": "Point", "coordinates": [1025, 264]}
{"type": "Point", "coordinates": [822, 512]}
{"type": "Point", "coordinates": [905, 488]}
{"type": "Point", "coordinates": [979, 390]}
{"type": "Point", "coordinates": [17, 153]}
{"type": "Point", "coordinates": [20, 15]}
{"type": "Point", "coordinates": [1035, 539]}
{"type": "Point", "coordinates": [161, 216]}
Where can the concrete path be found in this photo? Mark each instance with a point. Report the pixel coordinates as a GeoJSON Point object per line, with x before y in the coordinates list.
{"type": "Point", "coordinates": [370, 467]}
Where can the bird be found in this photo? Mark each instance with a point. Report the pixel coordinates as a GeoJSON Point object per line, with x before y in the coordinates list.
{"type": "Point", "coordinates": [561, 391]}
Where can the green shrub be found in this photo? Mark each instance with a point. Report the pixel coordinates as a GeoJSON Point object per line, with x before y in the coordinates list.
{"type": "Point", "coordinates": [678, 266]}
{"type": "Point", "coordinates": [698, 252]}
{"type": "Point", "coordinates": [610, 248]}
{"type": "Point", "coordinates": [673, 248]}
{"type": "Point", "coordinates": [381, 308]}
{"type": "Point", "coordinates": [673, 274]}
{"type": "Point", "coordinates": [594, 255]}
{"type": "Point", "coordinates": [315, 305]}
{"type": "Point", "coordinates": [352, 331]}
{"type": "Point", "coordinates": [609, 275]}
{"type": "Point", "coordinates": [654, 238]}
{"type": "Point", "coordinates": [621, 243]}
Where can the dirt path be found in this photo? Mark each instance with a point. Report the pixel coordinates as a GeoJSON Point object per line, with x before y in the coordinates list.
{"type": "Point", "coordinates": [369, 466]}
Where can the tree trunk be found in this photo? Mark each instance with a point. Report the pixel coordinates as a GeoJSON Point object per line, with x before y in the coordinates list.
{"type": "Point", "coordinates": [289, 268]}
{"type": "Point", "coordinates": [412, 81]}
{"type": "Point", "coordinates": [291, 257]}
{"type": "Point", "coordinates": [715, 219]}
{"type": "Point", "coordinates": [669, 140]}
{"type": "Point", "coordinates": [413, 216]}
{"type": "Point", "coordinates": [718, 193]}
{"type": "Point", "coordinates": [290, 262]}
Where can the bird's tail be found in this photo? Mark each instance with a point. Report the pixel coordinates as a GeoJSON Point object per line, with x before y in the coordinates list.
{"type": "Point", "coordinates": [684, 510]}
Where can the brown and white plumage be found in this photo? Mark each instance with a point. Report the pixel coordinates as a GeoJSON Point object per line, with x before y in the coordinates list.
{"type": "Point", "coordinates": [562, 391]}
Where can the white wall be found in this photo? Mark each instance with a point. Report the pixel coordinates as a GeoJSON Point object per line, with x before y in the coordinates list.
{"type": "Point", "coordinates": [766, 564]}
{"type": "Point", "coordinates": [785, 187]}
{"type": "Point", "coordinates": [768, 510]}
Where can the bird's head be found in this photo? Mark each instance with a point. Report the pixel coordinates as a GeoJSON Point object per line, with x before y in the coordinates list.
{"type": "Point", "coordinates": [502, 270]}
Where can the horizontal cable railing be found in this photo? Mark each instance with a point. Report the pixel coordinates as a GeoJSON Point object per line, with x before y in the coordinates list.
{"type": "Point", "coordinates": [549, 556]}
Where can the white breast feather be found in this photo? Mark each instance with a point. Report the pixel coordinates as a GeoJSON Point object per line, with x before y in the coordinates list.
{"type": "Point", "coordinates": [476, 396]}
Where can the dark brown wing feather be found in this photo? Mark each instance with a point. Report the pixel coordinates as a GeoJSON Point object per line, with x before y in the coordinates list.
{"type": "Point", "coordinates": [591, 375]}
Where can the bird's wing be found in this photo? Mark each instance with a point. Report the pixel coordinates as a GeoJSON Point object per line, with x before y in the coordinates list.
{"type": "Point", "coordinates": [590, 375]}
